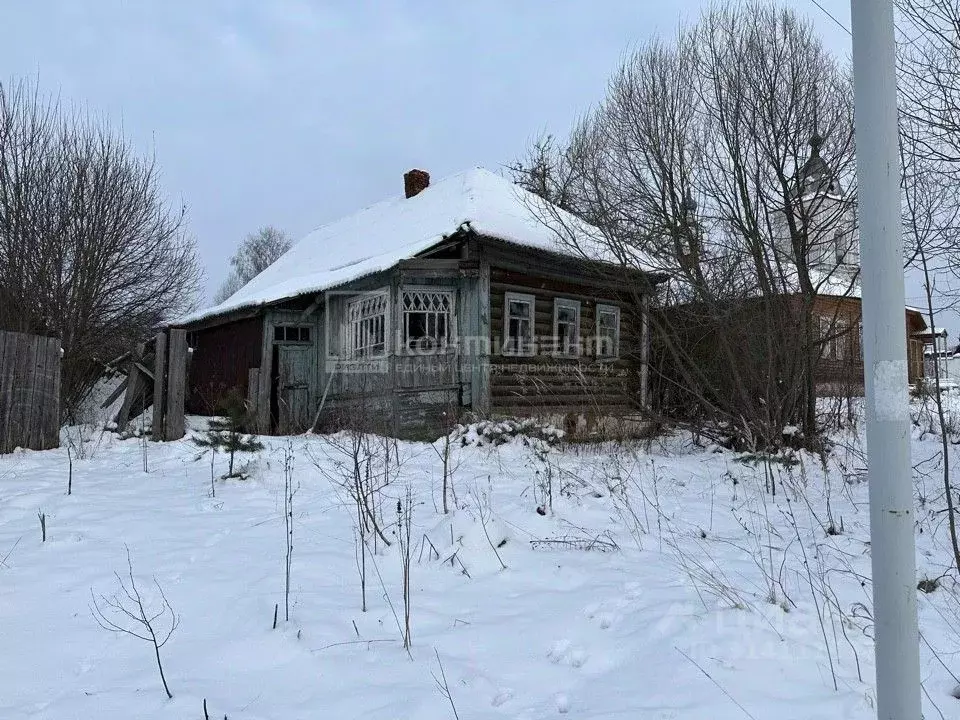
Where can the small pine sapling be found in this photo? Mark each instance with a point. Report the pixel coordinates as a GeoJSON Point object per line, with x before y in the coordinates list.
{"type": "Point", "coordinates": [228, 433]}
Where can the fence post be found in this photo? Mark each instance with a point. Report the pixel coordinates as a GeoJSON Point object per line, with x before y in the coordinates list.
{"type": "Point", "coordinates": [174, 422]}
{"type": "Point", "coordinates": [159, 385]}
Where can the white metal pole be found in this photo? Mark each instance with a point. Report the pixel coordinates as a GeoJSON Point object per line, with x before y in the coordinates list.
{"type": "Point", "coordinates": [885, 362]}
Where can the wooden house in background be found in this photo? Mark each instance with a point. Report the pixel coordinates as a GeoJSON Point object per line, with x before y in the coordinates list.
{"type": "Point", "coordinates": [833, 267]}
{"type": "Point", "coordinates": [455, 298]}
{"type": "Point", "coordinates": [840, 365]}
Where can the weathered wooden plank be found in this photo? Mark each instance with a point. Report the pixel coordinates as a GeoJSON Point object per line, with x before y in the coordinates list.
{"type": "Point", "coordinates": [253, 391]}
{"type": "Point", "coordinates": [46, 437]}
{"type": "Point", "coordinates": [559, 366]}
{"type": "Point", "coordinates": [393, 329]}
{"type": "Point", "coordinates": [29, 391]}
{"type": "Point", "coordinates": [118, 362]}
{"type": "Point", "coordinates": [174, 420]}
{"type": "Point", "coordinates": [51, 403]}
{"type": "Point", "coordinates": [537, 386]}
{"type": "Point", "coordinates": [33, 415]}
{"type": "Point", "coordinates": [295, 372]}
{"type": "Point", "coordinates": [117, 392]}
{"type": "Point", "coordinates": [37, 402]}
{"type": "Point", "coordinates": [450, 266]}
{"type": "Point", "coordinates": [558, 400]}
{"type": "Point", "coordinates": [134, 389]}
{"type": "Point", "coordinates": [24, 384]}
{"type": "Point", "coordinates": [215, 320]}
{"type": "Point", "coordinates": [6, 358]}
{"type": "Point", "coordinates": [425, 370]}
{"type": "Point", "coordinates": [264, 386]}
{"type": "Point", "coordinates": [480, 380]}
{"type": "Point", "coordinates": [12, 421]}
{"type": "Point", "coordinates": [144, 370]}
{"type": "Point", "coordinates": [11, 430]}
{"type": "Point", "coordinates": [310, 309]}
{"type": "Point", "coordinates": [159, 385]}
{"type": "Point", "coordinates": [55, 389]}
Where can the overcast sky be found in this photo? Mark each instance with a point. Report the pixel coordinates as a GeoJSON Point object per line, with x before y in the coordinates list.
{"type": "Point", "coordinates": [297, 112]}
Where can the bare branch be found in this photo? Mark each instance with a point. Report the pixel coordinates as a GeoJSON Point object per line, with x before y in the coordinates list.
{"type": "Point", "coordinates": [132, 616]}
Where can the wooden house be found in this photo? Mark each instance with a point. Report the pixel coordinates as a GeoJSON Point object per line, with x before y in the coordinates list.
{"type": "Point", "coordinates": [687, 335]}
{"type": "Point", "coordinates": [840, 366]}
{"type": "Point", "coordinates": [833, 268]}
{"type": "Point", "coordinates": [455, 298]}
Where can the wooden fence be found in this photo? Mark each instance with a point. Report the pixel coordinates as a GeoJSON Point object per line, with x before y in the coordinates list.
{"type": "Point", "coordinates": [29, 392]}
{"type": "Point", "coordinates": [156, 375]}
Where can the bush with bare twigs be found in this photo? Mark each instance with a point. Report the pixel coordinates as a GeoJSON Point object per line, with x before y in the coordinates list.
{"type": "Point", "coordinates": [127, 613]}
{"type": "Point", "coordinates": [90, 249]}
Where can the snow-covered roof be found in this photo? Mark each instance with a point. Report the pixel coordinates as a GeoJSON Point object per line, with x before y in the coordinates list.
{"type": "Point", "coordinates": [378, 237]}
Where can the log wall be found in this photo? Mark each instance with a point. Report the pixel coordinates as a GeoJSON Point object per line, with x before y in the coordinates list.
{"type": "Point", "coordinates": [546, 382]}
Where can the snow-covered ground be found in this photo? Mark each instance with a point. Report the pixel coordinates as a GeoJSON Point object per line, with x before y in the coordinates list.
{"type": "Point", "coordinates": [668, 581]}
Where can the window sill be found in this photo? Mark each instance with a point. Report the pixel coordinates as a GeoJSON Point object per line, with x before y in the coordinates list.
{"type": "Point", "coordinates": [408, 352]}
{"type": "Point", "coordinates": [368, 358]}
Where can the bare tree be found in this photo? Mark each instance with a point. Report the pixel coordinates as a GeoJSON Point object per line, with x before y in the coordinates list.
{"type": "Point", "coordinates": [90, 249]}
{"type": "Point", "coordinates": [360, 466]}
{"type": "Point", "coordinates": [929, 85]}
{"type": "Point", "coordinates": [931, 230]}
{"type": "Point", "coordinates": [724, 159]}
{"type": "Point", "coordinates": [929, 69]}
{"type": "Point", "coordinates": [256, 253]}
{"type": "Point", "coordinates": [126, 612]}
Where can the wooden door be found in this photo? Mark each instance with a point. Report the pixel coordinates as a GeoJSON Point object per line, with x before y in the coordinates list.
{"type": "Point", "coordinates": [295, 367]}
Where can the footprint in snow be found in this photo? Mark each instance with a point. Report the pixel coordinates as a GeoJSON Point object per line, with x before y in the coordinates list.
{"type": "Point", "coordinates": [559, 650]}
{"type": "Point", "coordinates": [604, 619]}
{"type": "Point", "coordinates": [563, 704]}
{"type": "Point", "coordinates": [503, 696]}
{"type": "Point", "coordinates": [563, 652]}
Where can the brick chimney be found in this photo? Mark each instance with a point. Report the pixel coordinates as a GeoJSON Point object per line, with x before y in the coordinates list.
{"type": "Point", "coordinates": [415, 182]}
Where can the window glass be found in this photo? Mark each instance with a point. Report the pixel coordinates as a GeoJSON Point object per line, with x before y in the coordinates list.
{"type": "Point", "coordinates": [566, 326]}
{"type": "Point", "coordinates": [608, 331]}
{"type": "Point", "coordinates": [427, 319]}
{"type": "Point", "coordinates": [518, 325]}
{"type": "Point", "coordinates": [366, 334]}
{"type": "Point", "coordinates": [291, 333]}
